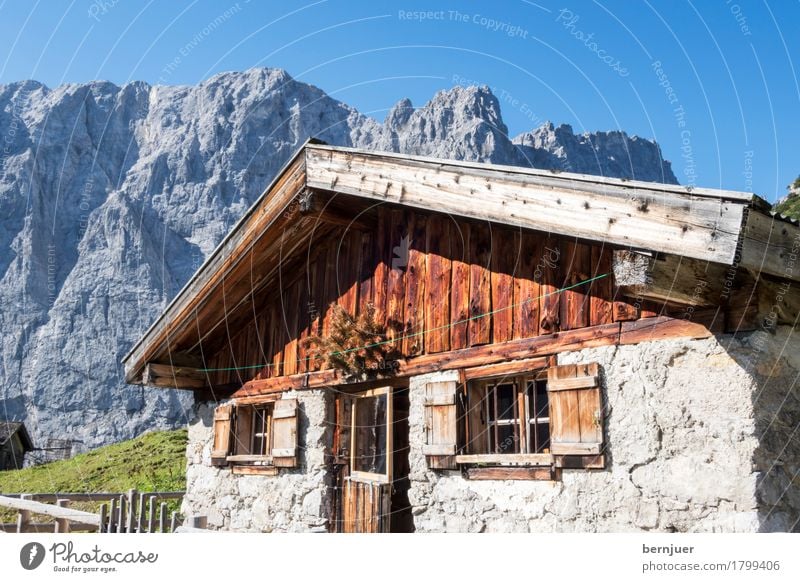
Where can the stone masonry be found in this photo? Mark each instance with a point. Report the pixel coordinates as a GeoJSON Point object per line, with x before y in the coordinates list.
{"type": "Point", "coordinates": [702, 436]}
{"type": "Point", "coordinates": [292, 501]}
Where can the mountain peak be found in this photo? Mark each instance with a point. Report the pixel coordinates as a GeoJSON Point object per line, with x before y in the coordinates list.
{"type": "Point", "coordinates": [604, 153]}
{"type": "Point", "coordinates": [400, 113]}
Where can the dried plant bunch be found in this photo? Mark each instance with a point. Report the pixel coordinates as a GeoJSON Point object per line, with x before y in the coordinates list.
{"type": "Point", "coordinates": [354, 345]}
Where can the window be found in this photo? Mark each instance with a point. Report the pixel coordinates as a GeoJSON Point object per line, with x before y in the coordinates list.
{"type": "Point", "coordinates": [508, 416]}
{"type": "Point", "coordinates": [516, 426]}
{"type": "Point", "coordinates": [252, 435]}
{"type": "Point", "coordinates": [261, 431]}
{"type": "Point", "coordinates": [371, 436]}
{"type": "Point", "coordinates": [256, 436]}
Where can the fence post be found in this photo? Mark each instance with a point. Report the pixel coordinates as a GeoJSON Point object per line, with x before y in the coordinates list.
{"type": "Point", "coordinates": [173, 522]}
{"type": "Point", "coordinates": [112, 516]}
{"type": "Point", "coordinates": [62, 525]}
{"type": "Point", "coordinates": [121, 520]}
{"type": "Point", "coordinates": [131, 511]}
{"type": "Point", "coordinates": [103, 516]}
{"type": "Point", "coordinates": [24, 516]}
{"type": "Point", "coordinates": [151, 516]}
{"type": "Point", "coordinates": [142, 508]}
{"type": "Point", "coordinates": [162, 518]}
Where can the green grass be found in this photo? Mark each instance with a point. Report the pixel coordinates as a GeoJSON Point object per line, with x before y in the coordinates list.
{"type": "Point", "coordinates": [790, 206]}
{"type": "Point", "coordinates": [155, 461]}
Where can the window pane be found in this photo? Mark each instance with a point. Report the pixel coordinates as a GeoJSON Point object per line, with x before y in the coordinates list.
{"type": "Point", "coordinates": [370, 434]}
{"type": "Point", "coordinates": [258, 445]}
{"type": "Point", "coordinates": [506, 403]}
{"type": "Point", "coordinates": [506, 442]}
{"type": "Point", "coordinates": [542, 404]}
{"type": "Point", "coordinates": [260, 429]}
{"type": "Point", "coordinates": [542, 437]}
{"type": "Point", "coordinates": [539, 411]}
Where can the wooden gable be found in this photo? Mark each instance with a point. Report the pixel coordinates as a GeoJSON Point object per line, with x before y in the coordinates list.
{"type": "Point", "coordinates": [450, 280]}
{"type": "Point", "coordinates": [437, 284]}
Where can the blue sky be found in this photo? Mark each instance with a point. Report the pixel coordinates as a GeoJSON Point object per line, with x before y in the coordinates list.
{"type": "Point", "coordinates": [715, 82]}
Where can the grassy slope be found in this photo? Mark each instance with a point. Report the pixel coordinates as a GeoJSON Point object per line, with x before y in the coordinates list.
{"type": "Point", "coordinates": [790, 207]}
{"type": "Point", "coordinates": [152, 462]}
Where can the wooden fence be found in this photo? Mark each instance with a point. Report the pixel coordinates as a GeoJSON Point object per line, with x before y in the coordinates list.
{"type": "Point", "coordinates": [131, 512]}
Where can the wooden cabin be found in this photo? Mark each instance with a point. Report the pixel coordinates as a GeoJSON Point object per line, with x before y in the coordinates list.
{"type": "Point", "coordinates": [396, 343]}
{"type": "Point", "coordinates": [14, 443]}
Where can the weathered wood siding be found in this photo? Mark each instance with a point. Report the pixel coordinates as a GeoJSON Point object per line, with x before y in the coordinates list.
{"type": "Point", "coordinates": [438, 284]}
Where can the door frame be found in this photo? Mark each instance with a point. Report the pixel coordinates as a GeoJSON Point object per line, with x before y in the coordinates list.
{"type": "Point", "coordinates": [364, 476]}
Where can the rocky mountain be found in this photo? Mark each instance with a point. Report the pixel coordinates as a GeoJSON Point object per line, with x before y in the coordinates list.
{"type": "Point", "coordinates": [111, 197]}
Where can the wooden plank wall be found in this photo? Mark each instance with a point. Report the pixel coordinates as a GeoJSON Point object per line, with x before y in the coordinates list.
{"type": "Point", "coordinates": [438, 284]}
{"type": "Point", "coordinates": [366, 508]}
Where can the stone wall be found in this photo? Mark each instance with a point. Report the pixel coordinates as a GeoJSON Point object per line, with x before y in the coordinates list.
{"type": "Point", "coordinates": [295, 500]}
{"type": "Point", "coordinates": [702, 436]}
{"type": "Point", "coordinates": [774, 361]}
{"type": "Point", "coordinates": [695, 443]}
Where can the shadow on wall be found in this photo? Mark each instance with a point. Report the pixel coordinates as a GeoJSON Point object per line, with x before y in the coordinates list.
{"type": "Point", "coordinates": [774, 363]}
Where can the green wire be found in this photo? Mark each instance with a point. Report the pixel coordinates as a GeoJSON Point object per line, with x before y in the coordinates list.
{"type": "Point", "coordinates": [418, 333]}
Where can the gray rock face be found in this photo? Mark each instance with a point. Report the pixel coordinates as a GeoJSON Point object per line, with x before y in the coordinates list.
{"type": "Point", "coordinates": [111, 197]}
{"type": "Point", "coordinates": [607, 153]}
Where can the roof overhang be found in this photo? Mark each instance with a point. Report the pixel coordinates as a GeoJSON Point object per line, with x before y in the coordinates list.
{"type": "Point", "coordinates": [716, 226]}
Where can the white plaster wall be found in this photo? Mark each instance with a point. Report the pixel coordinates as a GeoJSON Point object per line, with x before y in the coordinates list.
{"type": "Point", "coordinates": [702, 436]}
{"type": "Point", "coordinates": [295, 500]}
{"type": "Point", "coordinates": [683, 442]}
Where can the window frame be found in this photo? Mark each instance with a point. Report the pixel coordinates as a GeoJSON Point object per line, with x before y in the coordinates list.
{"type": "Point", "coordinates": [366, 476]}
{"type": "Point", "coordinates": [249, 459]}
{"type": "Point", "coordinates": [499, 459]}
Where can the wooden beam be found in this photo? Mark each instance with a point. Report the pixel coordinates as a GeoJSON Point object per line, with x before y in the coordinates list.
{"type": "Point", "coordinates": [510, 355]}
{"type": "Point", "coordinates": [94, 497]}
{"type": "Point", "coordinates": [669, 278]}
{"type": "Point", "coordinates": [249, 458]}
{"type": "Point", "coordinates": [771, 246]}
{"type": "Point", "coordinates": [323, 206]}
{"type": "Point", "coordinates": [254, 470]}
{"type": "Point", "coordinates": [580, 461]}
{"type": "Point", "coordinates": [467, 358]}
{"type": "Point", "coordinates": [659, 328]}
{"type": "Point", "coordinates": [505, 368]}
{"type": "Point", "coordinates": [74, 515]}
{"type": "Point", "coordinates": [168, 376]}
{"type": "Point", "coordinates": [686, 223]}
{"type": "Point", "coordinates": [509, 459]}
{"type": "Point", "coordinates": [512, 473]}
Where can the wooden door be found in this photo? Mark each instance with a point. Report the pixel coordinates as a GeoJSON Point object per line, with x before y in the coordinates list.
{"type": "Point", "coordinates": [365, 472]}
{"type": "Point", "coordinates": [366, 507]}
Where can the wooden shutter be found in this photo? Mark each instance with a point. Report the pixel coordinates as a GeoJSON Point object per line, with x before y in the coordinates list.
{"type": "Point", "coordinates": [244, 430]}
{"type": "Point", "coordinates": [441, 424]}
{"type": "Point", "coordinates": [284, 433]}
{"type": "Point", "coordinates": [576, 415]}
{"type": "Point", "coordinates": [476, 419]}
{"type": "Point", "coordinates": [222, 434]}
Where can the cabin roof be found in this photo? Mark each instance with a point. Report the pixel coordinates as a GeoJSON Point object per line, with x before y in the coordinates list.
{"type": "Point", "coordinates": [696, 223]}
{"type": "Point", "coordinates": [8, 429]}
